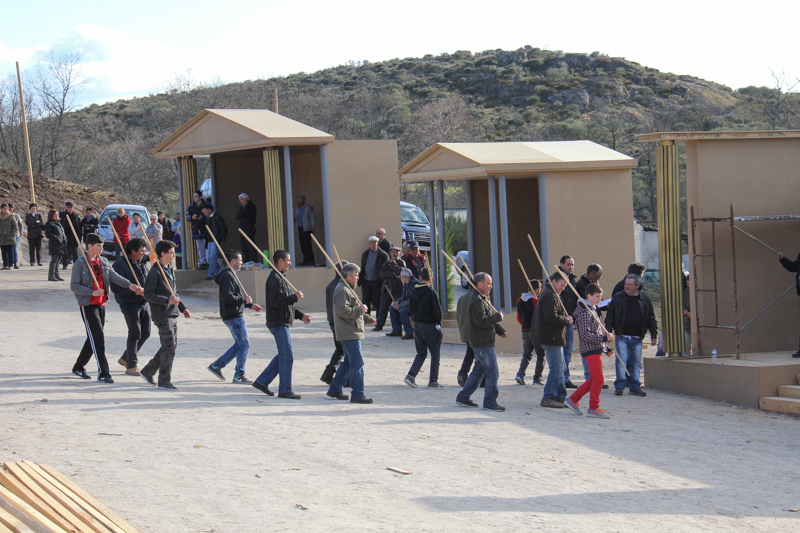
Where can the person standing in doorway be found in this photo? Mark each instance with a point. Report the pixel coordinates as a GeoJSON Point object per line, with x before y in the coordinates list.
{"type": "Point", "coordinates": [35, 224]}
{"type": "Point", "coordinates": [246, 215]}
{"type": "Point", "coordinates": [281, 313]}
{"type": "Point", "coordinates": [195, 217]}
{"type": "Point", "coordinates": [306, 221]}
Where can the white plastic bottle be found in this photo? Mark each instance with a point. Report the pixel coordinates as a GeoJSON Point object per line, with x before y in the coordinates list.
{"type": "Point", "coordinates": [714, 356]}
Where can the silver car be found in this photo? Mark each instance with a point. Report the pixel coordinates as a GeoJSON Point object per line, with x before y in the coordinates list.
{"type": "Point", "coordinates": [109, 214]}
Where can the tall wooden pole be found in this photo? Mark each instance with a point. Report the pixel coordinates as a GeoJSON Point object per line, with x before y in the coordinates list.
{"type": "Point", "coordinates": [276, 101]}
{"type": "Point", "coordinates": [27, 141]}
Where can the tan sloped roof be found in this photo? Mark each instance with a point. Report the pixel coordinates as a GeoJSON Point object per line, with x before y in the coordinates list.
{"type": "Point", "coordinates": [227, 130]}
{"type": "Point", "coordinates": [457, 161]}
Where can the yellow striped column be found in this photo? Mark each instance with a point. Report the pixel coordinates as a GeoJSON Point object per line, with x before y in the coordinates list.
{"type": "Point", "coordinates": [669, 247]}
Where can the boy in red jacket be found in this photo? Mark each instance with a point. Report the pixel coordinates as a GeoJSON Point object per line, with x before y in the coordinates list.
{"type": "Point", "coordinates": [593, 344]}
{"type": "Point", "coordinates": [525, 306]}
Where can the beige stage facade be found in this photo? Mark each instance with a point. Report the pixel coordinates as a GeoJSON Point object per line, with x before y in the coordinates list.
{"type": "Point", "coordinates": [572, 197]}
{"type": "Point", "coordinates": [352, 186]}
{"type": "Point", "coordinates": [741, 193]}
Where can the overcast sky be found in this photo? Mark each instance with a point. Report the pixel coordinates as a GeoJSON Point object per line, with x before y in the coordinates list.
{"type": "Point", "coordinates": [134, 48]}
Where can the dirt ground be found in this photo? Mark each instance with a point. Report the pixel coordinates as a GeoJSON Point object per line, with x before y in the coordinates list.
{"type": "Point", "coordinates": [219, 457]}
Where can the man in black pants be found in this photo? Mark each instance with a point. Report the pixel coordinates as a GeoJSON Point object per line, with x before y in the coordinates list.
{"type": "Point", "coordinates": [70, 255]}
{"type": "Point", "coordinates": [306, 220]}
{"type": "Point", "coordinates": [372, 261]}
{"type": "Point", "coordinates": [392, 285]}
{"type": "Point", "coordinates": [338, 352]}
{"type": "Point", "coordinates": [247, 223]}
{"type": "Point", "coordinates": [426, 312]}
{"type": "Point", "coordinates": [133, 306]}
{"type": "Point", "coordinates": [92, 297]}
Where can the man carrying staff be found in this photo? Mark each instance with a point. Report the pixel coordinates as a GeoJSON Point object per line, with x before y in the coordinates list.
{"type": "Point", "coordinates": [426, 311]}
{"type": "Point", "coordinates": [281, 313]}
{"type": "Point", "coordinates": [348, 319]}
{"type": "Point", "coordinates": [90, 291]}
{"type": "Point", "coordinates": [372, 261]}
{"type": "Point", "coordinates": [567, 266]}
{"type": "Point", "coordinates": [550, 321]}
{"type": "Point", "coordinates": [391, 287]}
{"type": "Point", "coordinates": [70, 255]}
{"type": "Point", "coordinates": [482, 322]}
{"type": "Point", "coordinates": [133, 305]}
{"type": "Point", "coordinates": [338, 352]}
{"type": "Point", "coordinates": [231, 309]}
{"type": "Point", "coordinates": [246, 215]}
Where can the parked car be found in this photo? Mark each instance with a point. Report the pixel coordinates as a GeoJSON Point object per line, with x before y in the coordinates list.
{"type": "Point", "coordinates": [462, 259]}
{"type": "Point", "coordinates": [415, 226]}
{"type": "Point", "coordinates": [109, 214]}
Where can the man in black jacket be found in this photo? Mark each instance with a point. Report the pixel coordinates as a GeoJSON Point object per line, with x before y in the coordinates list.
{"type": "Point", "coordinates": [338, 351]}
{"type": "Point", "coordinates": [392, 286]}
{"type": "Point", "coordinates": [246, 215]}
{"type": "Point", "coordinates": [383, 243]}
{"type": "Point", "coordinates": [567, 266]}
{"type": "Point", "coordinates": [593, 274]}
{"type": "Point", "coordinates": [195, 216]}
{"type": "Point", "coordinates": [133, 306]}
{"type": "Point", "coordinates": [89, 223]}
{"type": "Point", "coordinates": [426, 312]}
{"type": "Point", "coordinates": [231, 309]}
{"type": "Point", "coordinates": [637, 269]}
{"type": "Point", "coordinates": [549, 329]}
{"type": "Point", "coordinates": [165, 309]}
{"type": "Point", "coordinates": [372, 261]}
{"type": "Point", "coordinates": [630, 316]}
{"type": "Point", "coordinates": [792, 266]}
{"type": "Point", "coordinates": [70, 255]}
{"type": "Point", "coordinates": [220, 232]}
{"type": "Point", "coordinates": [280, 315]}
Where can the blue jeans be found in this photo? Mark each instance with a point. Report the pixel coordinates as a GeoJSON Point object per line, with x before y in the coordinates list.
{"type": "Point", "coordinates": [281, 364]}
{"type": "Point", "coordinates": [240, 348]}
{"type": "Point", "coordinates": [568, 355]}
{"type": "Point", "coordinates": [352, 368]}
{"type": "Point", "coordinates": [211, 254]}
{"type": "Point", "coordinates": [485, 365]}
{"type": "Point", "coordinates": [630, 351]}
{"type": "Point", "coordinates": [404, 316]}
{"type": "Point", "coordinates": [555, 386]}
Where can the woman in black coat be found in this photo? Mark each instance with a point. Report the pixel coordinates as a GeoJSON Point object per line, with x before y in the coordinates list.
{"type": "Point", "coordinates": [54, 232]}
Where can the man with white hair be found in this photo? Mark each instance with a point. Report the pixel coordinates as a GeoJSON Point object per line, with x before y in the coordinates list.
{"type": "Point", "coordinates": [247, 222]}
{"type": "Point", "coordinates": [400, 312]}
{"type": "Point", "coordinates": [372, 261]}
{"type": "Point", "coordinates": [306, 220]}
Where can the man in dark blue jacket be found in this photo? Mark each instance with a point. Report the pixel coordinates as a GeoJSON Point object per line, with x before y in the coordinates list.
{"type": "Point", "coordinates": [281, 313]}
{"type": "Point", "coordinates": [133, 306]}
{"type": "Point", "coordinates": [232, 302]}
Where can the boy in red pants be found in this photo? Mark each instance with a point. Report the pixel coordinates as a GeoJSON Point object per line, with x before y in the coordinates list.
{"type": "Point", "coordinates": [592, 344]}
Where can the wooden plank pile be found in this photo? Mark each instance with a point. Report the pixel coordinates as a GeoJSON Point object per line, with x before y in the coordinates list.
{"type": "Point", "coordinates": [38, 498]}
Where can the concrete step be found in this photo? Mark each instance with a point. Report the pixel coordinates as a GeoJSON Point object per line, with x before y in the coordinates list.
{"type": "Point", "coordinates": [449, 323]}
{"type": "Point", "coordinates": [451, 336]}
{"type": "Point", "coordinates": [789, 391]}
{"type": "Point", "coordinates": [206, 294]}
{"type": "Point", "coordinates": [780, 405]}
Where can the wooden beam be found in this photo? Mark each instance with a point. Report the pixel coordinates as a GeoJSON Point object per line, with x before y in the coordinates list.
{"type": "Point", "coordinates": [46, 506]}
{"type": "Point", "coordinates": [26, 514]}
{"type": "Point", "coordinates": [10, 523]}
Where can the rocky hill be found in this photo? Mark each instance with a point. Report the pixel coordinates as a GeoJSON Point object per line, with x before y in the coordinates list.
{"type": "Point", "coordinates": [51, 194]}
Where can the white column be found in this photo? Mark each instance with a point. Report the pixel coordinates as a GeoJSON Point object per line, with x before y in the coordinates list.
{"type": "Point", "coordinates": [504, 242]}
{"type": "Point", "coordinates": [287, 171]}
{"type": "Point", "coordinates": [326, 215]}
{"type": "Point", "coordinates": [493, 239]}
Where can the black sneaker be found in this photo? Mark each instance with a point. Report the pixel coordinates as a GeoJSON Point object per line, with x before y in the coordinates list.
{"type": "Point", "coordinates": [435, 385]}
{"type": "Point", "coordinates": [639, 392]}
{"type": "Point", "coordinates": [466, 403]}
{"type": "Point", "coordinates": [520, 379]}
{"type": "Point", "coordinates": [537, 382]}
{"type": "Point", "coordinates": [395, 334]}
{"type": "Point", "coordinates": [148, 379]}
{"type": "Point", "coordinates": [82, 374]}
{"type": "Point", "coordinates": [552, 403]}
{"type": "Point", "coordinates": [376, 328]}
{"type": "Point", "coordinates": [494, 407]}
{"type": "Point", "coordinates": [796, 354]}
{"type": "Point", "coordinates": [337, 395]}
{"type": "Point", "coordinates": [263, 388]}
{"type": "Point", "coordinates": [408, 337]}
{"type": "Point", "coordinates": [217, 372]}
{"type": "Point", "coordinates": [361, 400]}
{"type": "Point", "coordinates": [618, 392]}
{"type": "Point", "coordinates": [605, 386]}
{"type": "Point", "coordinates": [327, 375]}
{"type": "Point", "coordinates": [168, 386]}
{"type": "Point", "coordinates": [240, 379]}
{"type": "Point", "coordinates": [571, 385]}
{"type": "Point", "coordinates": [105, 379]}
{"type": "Point", "coordinates": [289, 395]}
{"type": "Point", "coordinates": [462, 378]}
{"type": "Point", "coordinates": [409, 380]}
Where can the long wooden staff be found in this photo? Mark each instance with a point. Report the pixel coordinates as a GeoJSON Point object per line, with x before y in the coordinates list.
{"type": "Point", "coordinates": [158, 263]}
{"type": "Point", "coordinates": [390, 293]}
{"type": "Point", "coordinates": [226, 261]}
{"type": "Point", "coordinates": [336, 269]}
{"type": "Point", "coordinates": [468, 280]}
{"type": "Point", "coordinates": [336, 253]}
{"type": "Point", "coordinates": [528, 281]}
{"type": "Point", "coordinates": [596, 318]}
{"type": "Point", "coordinates": [467, 267]}
{"type": "Point", "coordinates": [289, 283]}
{"type": "Point", "coordinates": [83, 252]}
{"type": "Point", "coordinates": [125, 255]}
{"type": "Point", "coordinates": [544, 269]}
